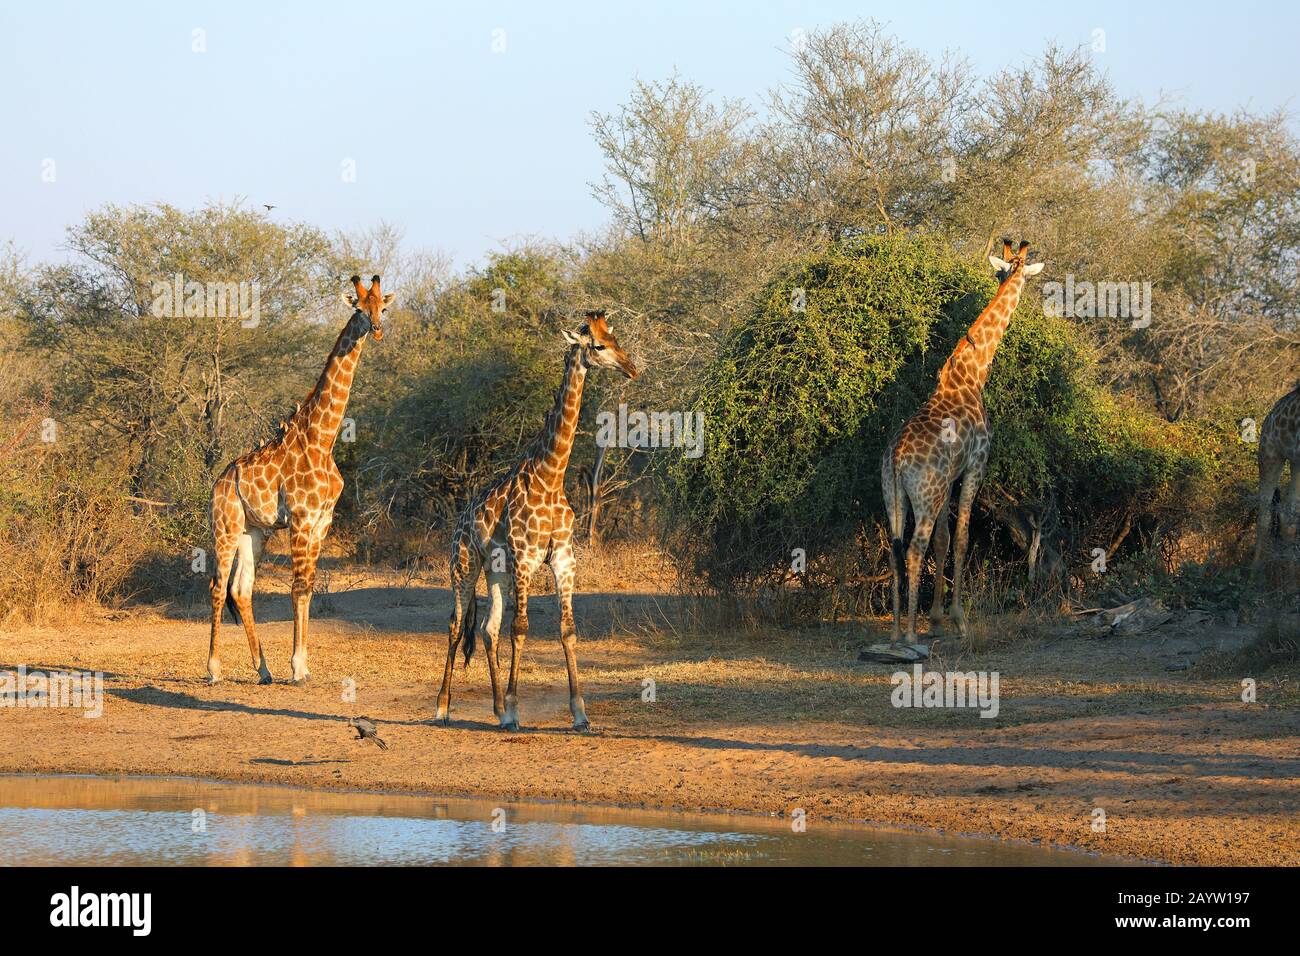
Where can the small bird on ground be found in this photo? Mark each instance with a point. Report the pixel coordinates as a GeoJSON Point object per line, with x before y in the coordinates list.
{"type": "Point", "coordinates": [365, 728]}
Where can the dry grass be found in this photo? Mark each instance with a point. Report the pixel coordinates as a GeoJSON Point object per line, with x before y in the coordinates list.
{"type": "Point", "coordinates": [68, 544]}
{"type": "Point", "coordinates": [1276, 649]}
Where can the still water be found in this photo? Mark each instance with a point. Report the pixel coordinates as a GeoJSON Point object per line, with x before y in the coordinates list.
{"type": "Point", "coordinates": [179, 821]}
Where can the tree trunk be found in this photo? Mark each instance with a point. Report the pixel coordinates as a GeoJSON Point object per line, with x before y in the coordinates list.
{"type": "Point", "coordinates": [594, 495]}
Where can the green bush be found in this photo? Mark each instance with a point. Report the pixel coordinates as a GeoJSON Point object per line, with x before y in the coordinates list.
{"type": "Point", "coordinates": [799, 407]}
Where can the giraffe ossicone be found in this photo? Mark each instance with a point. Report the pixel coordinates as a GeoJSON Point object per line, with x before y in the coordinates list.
{"type": "Point", "coordinates": [518, 522]}
{"type": "Point", "coordinates": [289, 482]}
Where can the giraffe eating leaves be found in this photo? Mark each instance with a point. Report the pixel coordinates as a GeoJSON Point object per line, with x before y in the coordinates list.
{"type": "Point", "coordinates": [289, 482]}
{"type": "Point", "coordinates": [947, 440]}
{"type": "Point", "coordinates": [518, 521]}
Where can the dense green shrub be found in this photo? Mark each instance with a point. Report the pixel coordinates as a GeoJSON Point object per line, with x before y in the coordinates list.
{"type": "Point", "coordinates": [801, 403]}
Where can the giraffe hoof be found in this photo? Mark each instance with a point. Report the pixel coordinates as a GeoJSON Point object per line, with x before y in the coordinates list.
{"type": "Point", "coordinates": [265, 679]}
{"type": "Point", "coordinates": [300, 681]}
{"type": "Point", "coordinates": [582, 726]}
{"type": "Point", "coordinates": [510, 725]}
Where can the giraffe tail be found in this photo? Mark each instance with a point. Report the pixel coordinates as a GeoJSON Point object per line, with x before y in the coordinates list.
{"type": "Point", "coordinates": [469, 630]}
{"type": "Point", "coordinates": [230, 600]}
{"type": "Point", "coordinates": [900, 561]}
{"type": "Point", "coordinates": [897, 519]}
{"type": "Point", "coordinates": [233, 472]}
{"type": "Point", "coordinates": [230, 593]}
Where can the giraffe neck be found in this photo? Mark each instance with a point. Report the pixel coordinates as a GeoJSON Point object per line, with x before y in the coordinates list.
{"type": "Point", "coordinates": [324, 408]}
{"type": "Point", "coordinates": [971, 360]}
{"type": "Point", "coordinates": [550, 456]}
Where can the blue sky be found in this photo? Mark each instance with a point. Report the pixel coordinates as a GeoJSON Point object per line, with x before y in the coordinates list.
{"type": "Point", "coordinates": [463, 147]}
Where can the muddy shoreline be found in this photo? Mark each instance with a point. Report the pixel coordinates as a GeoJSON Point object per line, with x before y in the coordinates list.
{"type": "Point", "coordinates": [1179, 769]}
{"type": "Point", "coordinates": [721, 818]}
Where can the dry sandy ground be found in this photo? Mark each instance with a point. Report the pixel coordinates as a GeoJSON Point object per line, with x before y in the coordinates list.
{"type": "Point", "coordinates": [1184, 771]}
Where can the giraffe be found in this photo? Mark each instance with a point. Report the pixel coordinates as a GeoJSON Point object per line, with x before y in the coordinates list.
{"type": "Point", "coordinates": [947, 439]}
{"type": "Point", "coordinates": [289, 482]}
{"type": "Point", "coordinates": [520, 520]}
{"type": "Point", "coordinates": [1279, 443]}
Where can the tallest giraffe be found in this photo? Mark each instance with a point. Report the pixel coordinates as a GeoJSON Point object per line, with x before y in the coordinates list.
{"type": "Point", "coordinates": [290, 482]}
{"type": "Point", "coordinates": [946, 440]}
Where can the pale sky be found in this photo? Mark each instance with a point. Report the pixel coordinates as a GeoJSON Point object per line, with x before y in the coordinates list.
{"type": "Point", "coordinates": [464, 147]}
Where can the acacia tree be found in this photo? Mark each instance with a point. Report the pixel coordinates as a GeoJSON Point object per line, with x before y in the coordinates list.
{"type": "Point", "coordinates": [1225, 201]}
{"type": "Point", "coordinates": [872, 136]}
{"type": "Point", "coordinates": [671, 157]}
{"type": "Point", "coordinates": [860, 139]}
{"type": "Point", "coordinates": [178, 384]}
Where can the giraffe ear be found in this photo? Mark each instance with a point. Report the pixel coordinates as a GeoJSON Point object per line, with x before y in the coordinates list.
{"type": "Point", "coordinates": [349, 300]}
{"type": "Point", "coordinates": [573, 338]}
{"type": "Point", "coordinates": [388, 299]}
{"type": "Point", "coordinates": [1033, 270]}
{"type": "Point", "coordinates": [1001, 265]}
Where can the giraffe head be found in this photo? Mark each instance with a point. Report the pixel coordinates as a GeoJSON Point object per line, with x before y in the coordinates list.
{"type": "Point", "coordinates": [370, 303]}
{"type": "Point", "coordinates": [1007, 266]}
{"type": "Point", "coordinates": [599, 347]}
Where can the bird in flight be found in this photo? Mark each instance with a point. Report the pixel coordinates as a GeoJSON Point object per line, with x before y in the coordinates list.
{"type": "Point", "coordinates": [365, 728]}
{"type": "Point", "coordinates": [266, 207]}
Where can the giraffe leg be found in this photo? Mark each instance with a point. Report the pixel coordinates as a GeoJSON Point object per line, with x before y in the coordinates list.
{"type": "Point", "coordinates": [524, 566]}
{"type": "Point", "coordinates": [1290, 515]}
{"type": "Point", "coordinates": [497, 582]}
{"type": "Point", "coordinates": [227, 525]}
{"type": "Point", "coordinates": [926, 510]}
{"type": "Point", "coordinates": [896, 513]}
{"type": "Point", "coordinates": [1270, 474]}
{"type": "Point", "coordinates": [241, 589]}
{"type": "Point", "coordinates": [226, 545]}
{"type": "Point", "coordinates": [563, 568]}
{"type": "Point", "coordinates": [940, 550]}
{"type": "Point", "coordinates": [464, 579]}
{"type": "Point", "coordinates": [970, 484]}
{"type": "Point", "coordinates": [305, 538]}
{"type": "Point", "coordinates": [1290, 519]}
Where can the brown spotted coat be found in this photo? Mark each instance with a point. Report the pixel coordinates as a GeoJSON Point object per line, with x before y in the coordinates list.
{"type": "Point", "coordinates": [947, 439]}
{"type": "Point", "coordinates": [289, 482]}
{"type": "Point", "coordinates": [516, 523]}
